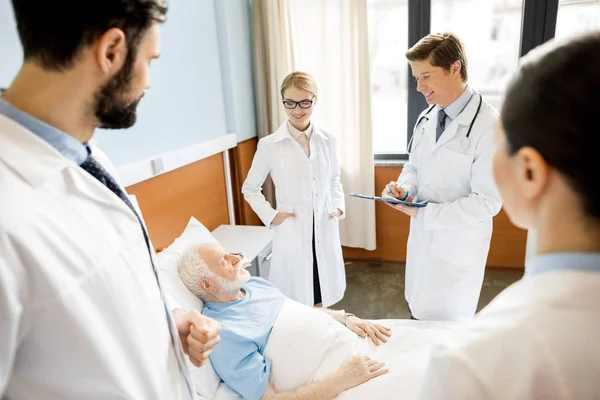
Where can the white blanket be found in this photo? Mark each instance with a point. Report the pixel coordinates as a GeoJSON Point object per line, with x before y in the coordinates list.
{"type": "Point", "coordinates": [307, 344]}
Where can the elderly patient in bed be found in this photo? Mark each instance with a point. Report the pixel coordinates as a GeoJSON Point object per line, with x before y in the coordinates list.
{"type": "Point", "coordinates": [253, 313]}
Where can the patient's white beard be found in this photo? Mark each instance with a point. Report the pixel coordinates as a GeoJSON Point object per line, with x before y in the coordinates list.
{"type": "Point", "coordinates": [226, 286]}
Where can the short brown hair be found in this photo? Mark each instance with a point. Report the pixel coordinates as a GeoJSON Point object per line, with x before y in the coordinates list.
{"type": "Point", "coordinates": [300, 80]}
{"type": "Point", "coordinates": [443, 49]}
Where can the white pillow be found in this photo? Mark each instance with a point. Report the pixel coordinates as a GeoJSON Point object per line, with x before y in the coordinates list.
{"type": "Point", "coordinates": [205, 378]}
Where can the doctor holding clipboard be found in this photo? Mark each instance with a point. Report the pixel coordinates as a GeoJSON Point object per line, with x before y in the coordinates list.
{"type": "Point", "coordinates": [449, 168]}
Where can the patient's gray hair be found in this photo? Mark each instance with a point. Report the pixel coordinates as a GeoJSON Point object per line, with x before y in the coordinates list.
{"type": "Point", "coordinates": [192, 268]}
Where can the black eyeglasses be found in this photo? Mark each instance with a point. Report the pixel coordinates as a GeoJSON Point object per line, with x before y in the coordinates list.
{"type": "Point", "coordinates": [291, 104]}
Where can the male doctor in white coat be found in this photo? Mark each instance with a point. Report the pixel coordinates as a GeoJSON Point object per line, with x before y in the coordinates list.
{"type": "Point", "coordinates": [449, 167]}
{"type": "Point", "coordinates": [538, 339]}
{"type": "Point", "coordinates": [82, 313]}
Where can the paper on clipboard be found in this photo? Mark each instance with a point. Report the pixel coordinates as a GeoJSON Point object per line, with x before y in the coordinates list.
{"type": "Point", "coordinates": [390, 200]}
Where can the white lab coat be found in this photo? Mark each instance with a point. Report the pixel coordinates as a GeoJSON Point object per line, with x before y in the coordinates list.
{"type": "Point", "coordinates": [538, 339]}
{"type": "Point", "coordinates": [450, 238]}
{"type": "Point", "coordinates": [305, 186]}
{"type": "Point", "coordinates": [80, 309]}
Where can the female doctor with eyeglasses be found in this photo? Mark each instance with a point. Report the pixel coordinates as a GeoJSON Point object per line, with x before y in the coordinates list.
{"type": "Point", "coordinates": [307, 264]}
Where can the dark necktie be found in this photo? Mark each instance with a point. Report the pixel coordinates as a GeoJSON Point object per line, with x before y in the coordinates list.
{"type": "Point", "coordinates": [441, 124]}
{"type": "Point", "coordinates": [97, 171]}
{"type": "Point", "coordinates": [94, 168]}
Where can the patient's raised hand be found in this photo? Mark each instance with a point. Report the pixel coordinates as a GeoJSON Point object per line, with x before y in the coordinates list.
{"type": "Point", "coordinates": [199, 334]}
{"type": "Point", "coordinates": [363, 328]}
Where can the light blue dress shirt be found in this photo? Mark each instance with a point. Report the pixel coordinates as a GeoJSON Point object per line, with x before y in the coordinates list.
{"type": "Point", "coordinates": [64, 143]}
{"type": "Point", "coordinates": [585, 262]}
{"type": "Point", "coordinates": [246, 325]}
{"type": "Point", "coordinates": [454, 109]}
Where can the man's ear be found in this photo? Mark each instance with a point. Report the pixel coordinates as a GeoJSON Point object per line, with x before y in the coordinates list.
{"type": "Point", "coordinates": [205, 285]}
{"type": "Point", "coordinates": [111, 51]}
{"type": "Point", "coordinates": [456, 67]}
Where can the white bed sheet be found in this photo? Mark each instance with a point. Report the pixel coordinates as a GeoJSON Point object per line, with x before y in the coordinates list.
{"type": "Point", "coordinates": [406, 355]}
{"type": "Point", "coordinates": [225, 393]}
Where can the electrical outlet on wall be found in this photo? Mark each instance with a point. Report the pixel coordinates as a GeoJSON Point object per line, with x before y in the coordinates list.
{"type": "Point", "coordinates": [157, 166]}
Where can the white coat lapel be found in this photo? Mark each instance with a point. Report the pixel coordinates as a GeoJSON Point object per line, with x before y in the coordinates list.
{"type": "Point", "coordinates": [42, 162]}
{"type": "Point", "coordinates": [421, 134]}
{"type": "Point", "coordinates": [281, 133]}
{"type": "Point", "coordinates": [461, 122]}
{"type": "Point", "coordinates": [425, 136]}
{"type": "Point", "coordinates": [32, 157]}
{"type": "Point", "coordinates": [448, 134]}
{"type": "Point", "coordinates": [95, 190]}
{"type": "Point", "coordinates": [317, 137]}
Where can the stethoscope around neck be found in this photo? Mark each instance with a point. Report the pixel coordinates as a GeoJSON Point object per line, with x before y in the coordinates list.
{"type": "Point", "coordinates": [465, 143]}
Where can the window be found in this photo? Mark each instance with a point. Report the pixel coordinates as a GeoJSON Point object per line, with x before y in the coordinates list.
{"type": "Point", "coordinates": [577, 16]}
{"type": "Point", "coordinates": [490, 31]}
{"type": "Point", "coordinates": [388, 41]}
{"type": "Point", "coordinates": [495, 33]}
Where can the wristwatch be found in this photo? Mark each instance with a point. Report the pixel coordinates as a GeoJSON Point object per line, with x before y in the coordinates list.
{"type": "Point", "coordinates": [345, 317]}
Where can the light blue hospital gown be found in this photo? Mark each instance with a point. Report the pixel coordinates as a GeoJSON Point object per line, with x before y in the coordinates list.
{"type": "Point", "coordinates": [246, 326]}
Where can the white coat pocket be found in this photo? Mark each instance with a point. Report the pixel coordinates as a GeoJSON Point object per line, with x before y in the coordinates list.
{"type": "Point", "coordinates": [450, 175]}
{"type": "Point", "coordinates": [285, 208]}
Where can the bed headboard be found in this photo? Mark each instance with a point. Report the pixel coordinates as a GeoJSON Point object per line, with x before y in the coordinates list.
{"type": "Point", "coordinates": [169, 200]}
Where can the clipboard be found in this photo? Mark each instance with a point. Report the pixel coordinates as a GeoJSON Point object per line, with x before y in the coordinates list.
{"type": "Point", "coordinates": [390, 200]}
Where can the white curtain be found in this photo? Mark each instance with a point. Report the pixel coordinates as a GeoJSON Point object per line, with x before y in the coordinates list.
{"type": "Point", "coordinates": [329, 40]}
{"type": "Point", "coordinates": [273, 58]}
{"type": "Point", "coordinates": [331, 43]}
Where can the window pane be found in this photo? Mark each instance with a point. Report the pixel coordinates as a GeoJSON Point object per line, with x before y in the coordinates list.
{"type": "Point", "coordinates": [576, 17]}
{"type": "Point", "coordinates": [491, 33]}
{"type": "Point", "coordinates": [388, 41]}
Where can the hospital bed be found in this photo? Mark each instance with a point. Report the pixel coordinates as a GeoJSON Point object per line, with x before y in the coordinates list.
{"type": "Point", "coordinates": [406, 354]}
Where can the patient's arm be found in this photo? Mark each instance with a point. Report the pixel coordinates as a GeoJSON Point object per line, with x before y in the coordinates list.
{"type": "Point", "coordinates": [335, 314]}
{"type": "Point", "coordinates": [355, 371]}
{"type": "Point", "coordinates": [361, 327]}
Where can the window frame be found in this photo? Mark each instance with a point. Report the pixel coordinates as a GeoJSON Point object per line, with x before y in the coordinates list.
{"type": "Point", "coordinates": [538, 25]}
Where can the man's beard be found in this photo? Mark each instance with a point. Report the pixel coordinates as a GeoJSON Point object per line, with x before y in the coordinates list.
{"type": "Point", "coordinates": [233, 286]}
{"type": "Point", "coordinates": [111, 108]}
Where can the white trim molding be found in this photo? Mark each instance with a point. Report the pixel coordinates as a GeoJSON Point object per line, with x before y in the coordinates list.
{"type": "Point", "coordinates": [142, 170]}
{"type": "Point", "coordinates": [229, 188]}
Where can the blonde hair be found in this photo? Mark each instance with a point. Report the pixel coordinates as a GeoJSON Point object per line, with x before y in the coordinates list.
{"type": "Point", "coordinates": [443, 50]}
{"type": "Point", "coordinates": [300, 80]}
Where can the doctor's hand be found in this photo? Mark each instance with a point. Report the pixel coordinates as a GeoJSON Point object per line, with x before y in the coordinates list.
{"type": "Point", "coordinates": [364, 328]}
{"type": "Point", "coordinates": [199, 334]}
{"type": "Point", "coordinates": [336, 213]}
{"type": "Point", "coordinates": [282, 216]}
{"type": "Point", "coordinates": [392, 189]}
